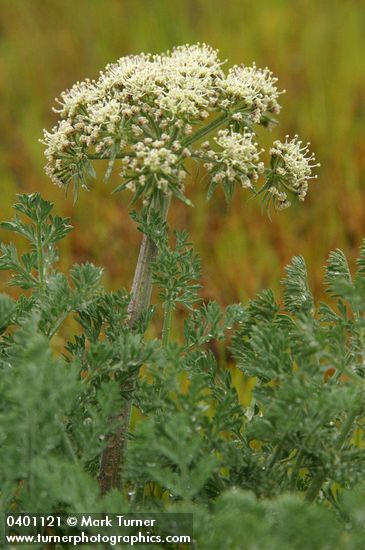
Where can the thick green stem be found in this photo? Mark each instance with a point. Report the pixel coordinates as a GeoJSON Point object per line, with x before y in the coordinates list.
{"type": "Point", "coordinates": [320, 477]}
{"type": "Point", "coordinates": [207, 129]}
{"type": "Point", "coordinates": [167, 323]}
{"type": "Point", "coordinates": [112, 457]}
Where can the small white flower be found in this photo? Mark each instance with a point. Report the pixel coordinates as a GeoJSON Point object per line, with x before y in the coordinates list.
{"type": "Point", "coordinates": [134, 74]}
{"type": "Point", "coordinates": [255, 89]}
{"type": "Point", "coordinates": [293, 164]}
{"type": "Point", "coordinates": [152, 164]}
{"type": "Point", "coordinates": [237, 160]}
{"type": "Point", "coordinates": [80, 95]}
{"type": "Point", "coordinates": [131, 186]}
{"type": "Point", "coordinates": [280, 198]}
{"type": "Point", "coordinates": [59, 139]}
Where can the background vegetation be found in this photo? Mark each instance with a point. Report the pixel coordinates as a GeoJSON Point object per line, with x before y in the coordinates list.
{"type": "Point", "coordinates": [315, 48]}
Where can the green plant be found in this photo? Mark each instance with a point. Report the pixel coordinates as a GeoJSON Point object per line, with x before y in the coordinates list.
{"type": "Point", "coordinates": [194, 446]}
{"type": "Point", "coordinates": [150, 114]}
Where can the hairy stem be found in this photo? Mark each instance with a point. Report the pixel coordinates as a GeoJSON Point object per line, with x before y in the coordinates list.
{"type": "Point", "coordinates": [167, 323]}
{"type": "Point", "coordinates": [207, 129]}
{"type": "Point", "coordinates": [112, 457]}
{"type": "Point", "coordinates": [40, 256]}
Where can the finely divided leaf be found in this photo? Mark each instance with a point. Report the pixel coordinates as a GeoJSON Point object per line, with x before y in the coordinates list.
{"type": "Point", "coordinates": [297, 295]}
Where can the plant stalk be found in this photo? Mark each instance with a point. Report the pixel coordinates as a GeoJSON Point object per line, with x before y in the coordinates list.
{"type": "Point", "coordinates": [167, 323]}
{"type": "Point", "coordinates": [207, 129]}
{"type": "Point", "coordinates": [112, 457]}
{"type": "Point", "coordinates": [40, 257]}
{"type": "Point", "coordinates": [111, 461]}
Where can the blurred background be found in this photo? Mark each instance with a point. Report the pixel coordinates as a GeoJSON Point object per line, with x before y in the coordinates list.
{"type": "Point", "coordinates": [316, 48]}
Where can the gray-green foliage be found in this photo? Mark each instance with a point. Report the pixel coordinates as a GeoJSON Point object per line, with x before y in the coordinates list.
{"type": "Point", "coordinates": [248, 472]}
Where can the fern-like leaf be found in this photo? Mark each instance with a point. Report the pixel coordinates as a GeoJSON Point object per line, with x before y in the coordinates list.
{"type": "Point", "coordinates": [297, 295]}
{"type": "Point", "coordinates": [337, 272]}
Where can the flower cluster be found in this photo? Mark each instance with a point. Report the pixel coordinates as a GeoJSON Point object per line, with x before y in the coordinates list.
{"type": "Point", "coordinates": [255, 89]}
{"type": "Point", "coordinates": [155, 164]}
{"type": "Point", "coordinates": [146, 112]}
{"type": "Point", "coordinates": [237, 160]}
{"type": "Point", "coordinates": [65, 153]}
{"type": "Point", "coordinates": [291, 168]}
{"type": "Point", "coordinates": [181, 83]}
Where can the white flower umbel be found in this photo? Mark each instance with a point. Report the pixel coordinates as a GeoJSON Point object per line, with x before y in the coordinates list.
{"type": "Point", "coordinates": [76, 100]}
{"type": "Point", "coordinates": [193, 74]}
{"type": "Point", "coordinates": [292, 165]}
{"type": "Point", "coordinates": [140, 98]}
{"type": "Point", "coordinates": [60, 142]}
{"type": "Point", "coordinates": [154, 164]}
{"type": "Point", "coordinates": [237, 160]}
{"type": "Point", "coordinates": [253, 89]}
{"type": "Point", "coordinates": [147, 113]}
